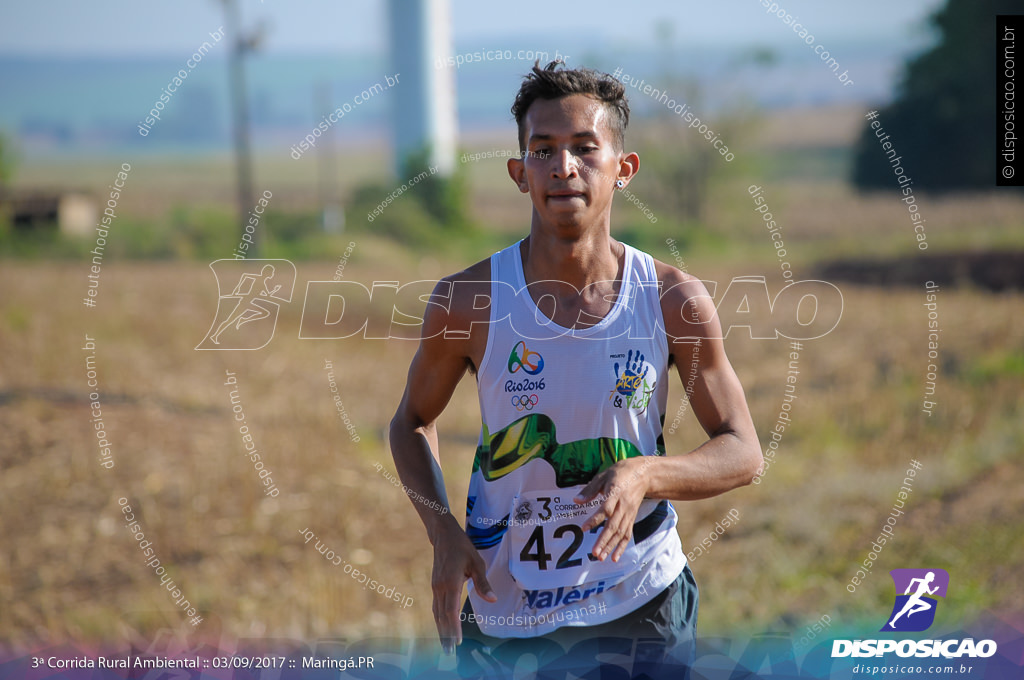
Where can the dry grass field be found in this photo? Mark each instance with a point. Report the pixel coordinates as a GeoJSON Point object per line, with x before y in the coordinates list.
{"type": "Point", "coordinates": [70, 570]}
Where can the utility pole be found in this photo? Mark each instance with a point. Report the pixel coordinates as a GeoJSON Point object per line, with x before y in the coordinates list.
{"type": "Point", "coordinates": [239, 46]}
{"type": "Point", "coordinates": [332, 215]}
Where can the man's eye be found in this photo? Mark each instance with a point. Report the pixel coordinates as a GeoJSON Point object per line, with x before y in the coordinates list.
{"type": "Point", "coordinates": [586, 149]}
{"type": "Point", "coordinates": [542, 153]}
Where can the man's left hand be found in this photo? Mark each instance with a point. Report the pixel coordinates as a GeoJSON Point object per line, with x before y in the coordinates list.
{"type": "Point", "coordinates": [623, 486]}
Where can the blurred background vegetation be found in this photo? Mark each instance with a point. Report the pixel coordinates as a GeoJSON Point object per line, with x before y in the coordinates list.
{"type": "Point", "coordinates": [75, 574]}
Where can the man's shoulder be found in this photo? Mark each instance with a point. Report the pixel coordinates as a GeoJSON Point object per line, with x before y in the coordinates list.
{"type": "Point", "coordinates": [675, 282]}
{"type": "Point", "coordinates": [686, 304]}
{"type": "Point", "coordinates": [456, 306]}
{"type": "Point", "coordinates": [461, 288]}
{"type": "Point", "coordinates": [476, 272]}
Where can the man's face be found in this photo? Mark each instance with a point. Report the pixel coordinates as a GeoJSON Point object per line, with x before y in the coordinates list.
{"type": "Point", "coordinates": [572, 161]}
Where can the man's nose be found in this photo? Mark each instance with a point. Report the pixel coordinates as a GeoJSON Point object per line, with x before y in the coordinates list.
{"type": "Point", "coordinates": [565, 164]}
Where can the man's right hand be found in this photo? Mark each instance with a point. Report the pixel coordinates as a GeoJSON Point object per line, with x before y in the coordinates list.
{"type": "Point", "coordinates": [439, 364]}
{"type": "Point", "coordinates": [455, 561]}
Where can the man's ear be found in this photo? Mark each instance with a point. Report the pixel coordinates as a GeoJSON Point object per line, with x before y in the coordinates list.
{"type": "Point", "coordinates": [629, 165]}
{"type": "Point", "coordinates": [517, 171]}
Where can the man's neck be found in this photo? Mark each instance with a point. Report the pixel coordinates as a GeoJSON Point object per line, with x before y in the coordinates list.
{"type": "Point", "coordinates": [595, 256]}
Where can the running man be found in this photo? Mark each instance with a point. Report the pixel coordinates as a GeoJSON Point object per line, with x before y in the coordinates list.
{"type": "Point", "coordinates": [914, 603]}
{"type": "Point", "coordinates": [569, 534]}
{"type": "Point", "coordinates": [250, 304]}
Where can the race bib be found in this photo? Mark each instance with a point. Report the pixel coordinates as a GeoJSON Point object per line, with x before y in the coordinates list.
{"type": "Point", "coordinates": [548, 548]}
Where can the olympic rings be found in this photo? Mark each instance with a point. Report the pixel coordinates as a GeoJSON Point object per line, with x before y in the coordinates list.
{"type": "Point", "coordinates": [523, 402]}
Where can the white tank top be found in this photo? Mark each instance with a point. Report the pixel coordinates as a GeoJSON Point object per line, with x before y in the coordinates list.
{"type": "Point", "coordinates": [558, 406]}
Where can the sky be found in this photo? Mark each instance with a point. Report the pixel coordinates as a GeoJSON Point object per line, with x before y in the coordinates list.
{"type": "Point", "coordinates": [129, 27]}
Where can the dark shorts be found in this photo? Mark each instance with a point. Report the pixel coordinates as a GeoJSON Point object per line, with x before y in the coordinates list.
{"type": "Point", "coordinates": [656, 641]}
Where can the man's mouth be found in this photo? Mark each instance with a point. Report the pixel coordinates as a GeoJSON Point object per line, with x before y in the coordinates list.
{"type": "Point", "coordinates": [565, 195]}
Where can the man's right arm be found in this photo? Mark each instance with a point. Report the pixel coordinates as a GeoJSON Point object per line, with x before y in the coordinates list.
{"type": "Point", "coordinates": [439, 364]}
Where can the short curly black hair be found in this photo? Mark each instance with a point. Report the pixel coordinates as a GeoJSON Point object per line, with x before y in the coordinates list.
{"type": "Point", "coordinates": [554, 83]}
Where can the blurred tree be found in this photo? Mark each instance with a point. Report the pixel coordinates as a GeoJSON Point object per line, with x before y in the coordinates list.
{"type": "Point", "coordinates": [6, 174]}
{"type": "Point", "coordinates": [942, 120]}
{"type": "Point", "coordinates": [445, 198]}
{"type": "Point", "coordinates": [680, 164]}
{"type": "Point", "coordinates": [6, 163]}
{"type": "Point", "coordinates": [428, 210]}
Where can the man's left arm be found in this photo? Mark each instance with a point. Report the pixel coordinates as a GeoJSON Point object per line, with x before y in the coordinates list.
{"type": "Point", "coordinates": [731, 457]}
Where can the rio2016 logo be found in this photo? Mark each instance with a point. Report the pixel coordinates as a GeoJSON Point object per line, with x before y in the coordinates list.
{"type": "Point", "coordinates": [520, 357]}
